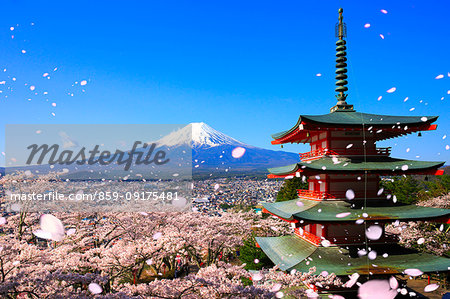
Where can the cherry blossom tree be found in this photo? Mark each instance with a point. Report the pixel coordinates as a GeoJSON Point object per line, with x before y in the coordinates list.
{"type": "Point", "coordinates": [136, 255]}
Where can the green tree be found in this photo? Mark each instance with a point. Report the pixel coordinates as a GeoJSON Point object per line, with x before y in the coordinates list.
{"type": "Point", "coordinates": [412, 189]}
{"type": "Point", "coordinates": [406, 189]}
{"type": "Point", "coordinates": [437, 186]}
{"type": "Point", "coordinates": [289, 189]}
{"type": "Point", "coordinates": [249, 253]}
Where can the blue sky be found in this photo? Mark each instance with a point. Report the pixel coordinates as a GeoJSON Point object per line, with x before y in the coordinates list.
{"type": "Point", "coordinates": [247, 68]}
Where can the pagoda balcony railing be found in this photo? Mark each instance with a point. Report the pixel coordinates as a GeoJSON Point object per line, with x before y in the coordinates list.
{"type": "Point", "coordinates": [321, 152]}
{"type": "Point", "coordinates": [316, 154]}
{"type": "Point", "coordinates": [308, 236]}
{"type": "Point", "coordinates": [314, 195]}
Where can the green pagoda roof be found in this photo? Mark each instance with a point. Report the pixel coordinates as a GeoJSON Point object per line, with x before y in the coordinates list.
{"type": "Point", "coordinates": [352, 164]}
{"type": "Point", "coordinates": [309, 210]}
{"type": "Point", "coordinates": [353, 118]}
{"type": "Point", "coordinates": [286, 251]}
{"type": "Point", "coordinates": [392, 259]}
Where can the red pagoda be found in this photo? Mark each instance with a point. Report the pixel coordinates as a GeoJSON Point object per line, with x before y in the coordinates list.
{"type": "Point", "coordinates": [339, 221]}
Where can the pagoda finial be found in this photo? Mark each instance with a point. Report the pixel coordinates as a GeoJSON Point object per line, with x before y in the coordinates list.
{"type": "Point", "coordinates": [341, 67]}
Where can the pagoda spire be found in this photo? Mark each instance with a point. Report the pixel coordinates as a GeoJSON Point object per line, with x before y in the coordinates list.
{"type": "Point", "coordinates": [341, 67]}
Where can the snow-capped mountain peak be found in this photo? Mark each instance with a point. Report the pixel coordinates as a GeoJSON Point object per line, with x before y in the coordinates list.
{"type": "Point", "coordinates": [198, 135]}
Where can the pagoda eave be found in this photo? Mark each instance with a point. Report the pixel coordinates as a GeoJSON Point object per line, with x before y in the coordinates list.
{"type": "Point", "coordinates": [292, 252]}
{"type": "Point", "coordinates": [287, 219]}
{"type": "Point", "coordinates": [338, 211]}
{"type": "Point", "coordinates": [384, 166]}
{"type": "Point", "coordinates": [434, 172]}
{"type": "Point", "coordinates": [383, 126]}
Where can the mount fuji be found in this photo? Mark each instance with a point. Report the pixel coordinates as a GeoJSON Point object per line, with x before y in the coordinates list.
{"type": "Point", "coordinates": [212, 152]}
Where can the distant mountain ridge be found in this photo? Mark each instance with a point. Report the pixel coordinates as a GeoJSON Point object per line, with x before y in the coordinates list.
{"type": "Point", "coordinates": [198, 135]}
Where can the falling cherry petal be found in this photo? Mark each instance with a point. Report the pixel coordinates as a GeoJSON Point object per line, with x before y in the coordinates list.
{"type": "Point", "coordinates": [380, 191]}
{"type": "Point", "coordinates": [52, 227]}
{"type": "Point", "coordinates": [413, 272]}
{"type": "Point", "coordinates": [382, 36]}
{"type": "Point", "coordinates": [374, 232]}
{"type": "Point", "coordinates": [342, 215]}
{"type": "Point", "coordinates": [279, 295]}
{"type": "Point", "coordinates": [391, 90]}
{"type": "Point", "coordinates": [94, 288]}
{"type": "Point", "coordinates": [257, 277]}
{"type": "Point", "coordinates": [349, 145]}
{"type": "Point", "coordinates": [420, 241]}
{"type": "Point", "coordinates": [423, 118]}
{"type": "Point", "coordinates": [32, 87]}
{"type": "Point", "coordinates": [384, 11]}
{"type": "Point", "coordinates": [350, 194]}
{"type": "Point", "coordinates": [362, 252]}
{"type": "Point", "coordinates": [71, 231]}
{"type": "Point", "coordinates": [376, 288]}
{"type": "Point", "coordinates": [83, 82]}
{"type": "Point", "coordinates": [157, 235]}
{"type": "Point", "coordinates": [276, 287]}
{"type": "Point", "coordinates": [353, 279]}
{"type": "Point", "coordinates": [367, 25]}
{"type": "Point", "coordinates": [405, 167]}
{"type": "Point", "coordinates": [393, 283]}
{"type": "Point", "coordinates": [238, 152]}
{"type": "Point", "coordinates": [372, 255]}
{"type": "Point", "coordinates": [319, 75]}
{"type": "Point", "coordinates": [439, 76]}
{"type": "Point", "coordinates": [431, 287]}
{"type": "Point", "coordinates": [326, 243]}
